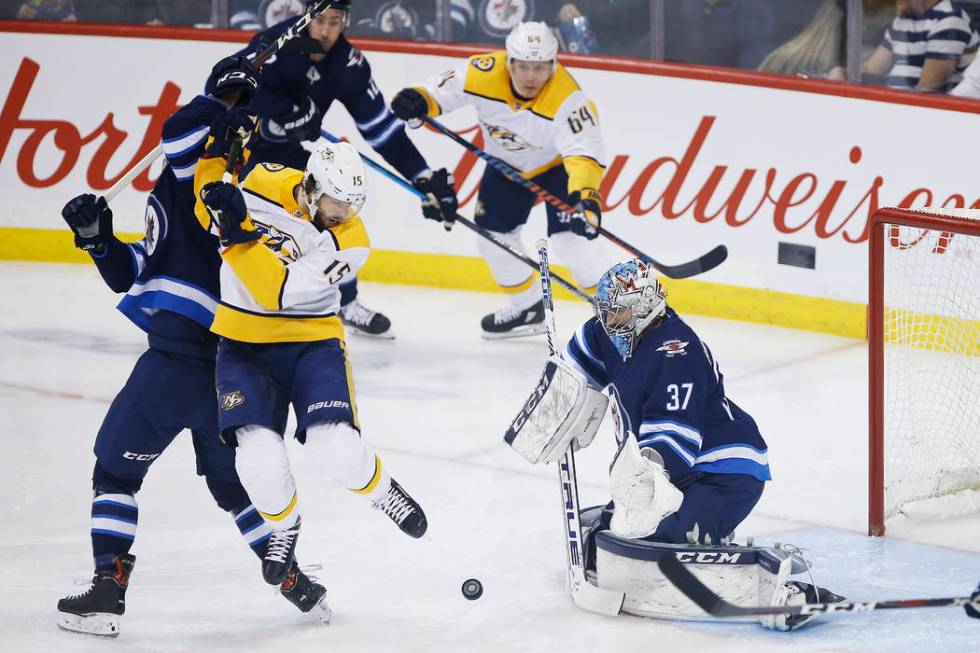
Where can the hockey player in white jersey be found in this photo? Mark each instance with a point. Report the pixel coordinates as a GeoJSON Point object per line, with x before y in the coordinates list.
{"type": "Point", "coordinates": [288, 239]}
{"type": "Point", "coordinates": [691, 463]}
{"type": "Point", "coordinates": [535, 117]}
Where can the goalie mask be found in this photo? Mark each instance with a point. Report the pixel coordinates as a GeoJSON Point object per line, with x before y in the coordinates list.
{"type": "Point", "coordinates": [333, 184]}
{"type": "Point", "coordinates": [628, 300]}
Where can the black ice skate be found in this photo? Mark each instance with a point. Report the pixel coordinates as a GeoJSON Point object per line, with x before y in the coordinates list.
{"type": "Point", "coordinates": [512, 322]}
{"type": "Point", "coordinates": [280, 555]}
{"type": "Point", "coordinates": [800, 593]}
{"type": "Point", "coordinates": [97, 611]}
{"type": "Point", "coordinates": [403, 510]}
{"type": "Point", "coordinates": [306, 594]}
{"type": "Point", "coordinates": [362, 320]}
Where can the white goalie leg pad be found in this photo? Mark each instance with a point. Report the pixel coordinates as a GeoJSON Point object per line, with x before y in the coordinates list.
{"type": "Point", "coordinates": [641, 491]}
{"type": "Point", "coordinates": [562, 408]}
{"type": "Point", "coordinates": [585, 258]}
{"type": "Point", "coordinates": [507, 271]}
{"type": "Point", "coordinates": [342, 455]}
{"type": "Point", "coordinates": [263, 468]}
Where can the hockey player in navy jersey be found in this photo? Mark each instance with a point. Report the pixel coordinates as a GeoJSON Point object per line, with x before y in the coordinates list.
{"type": "Point", "coordinates": [297, 88]}
{"type": "Point", "coordinates": [170, 278]}
{"type": "Point", "coordinates": [691, 464]}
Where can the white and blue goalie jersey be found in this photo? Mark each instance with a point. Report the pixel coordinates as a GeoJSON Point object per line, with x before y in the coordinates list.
{"type": "Point", "coordinates": [672, 396]}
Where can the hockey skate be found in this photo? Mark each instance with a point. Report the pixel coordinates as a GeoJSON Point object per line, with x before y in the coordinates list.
{"type": "Point", "coordinates": [362, 320]}
{"type": "Point", "coordinates": [307, 595]}
{"type": "Point", "coordinates": [403, 510]}
{"type": "Point", "coordinates": [280, 555]}
{"type": "Point", "coordinates": [798, 593]}
{"type": "Point", "coordinates": [513, 322]}
{"type": "Point", "coordinates": [97, 610]}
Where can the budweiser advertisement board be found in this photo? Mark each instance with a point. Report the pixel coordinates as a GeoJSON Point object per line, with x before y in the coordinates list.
{"type": "Point", "coordinates": [692, 161]}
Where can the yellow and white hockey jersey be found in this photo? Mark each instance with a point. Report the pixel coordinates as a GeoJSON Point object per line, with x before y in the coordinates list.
{"type": "Point", "coordinates": [283, 287]}
{"type": "Point", "coordinates": [560, 125]}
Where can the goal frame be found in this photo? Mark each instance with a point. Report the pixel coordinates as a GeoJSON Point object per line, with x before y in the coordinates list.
{"type": "Point", "coordinates": [916, 218]}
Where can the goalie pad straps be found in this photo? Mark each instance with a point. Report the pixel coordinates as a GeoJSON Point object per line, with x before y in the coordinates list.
{"type": "Point", "coordinates": [561, 409]}
{"type": "Point", "coordinates": [642, 493]}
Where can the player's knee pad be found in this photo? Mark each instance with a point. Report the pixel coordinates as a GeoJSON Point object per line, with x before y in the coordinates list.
{"type": "Point", "coordinates": [263, 468]}
{"type": "Point", "coordinates": [583, 257]}
{"type": "Point", "coordinates": [104, 482]}
{"type": "Point", "coordinates": [507, 270]}
{"type": "Point", "coordinates": [341, 454]}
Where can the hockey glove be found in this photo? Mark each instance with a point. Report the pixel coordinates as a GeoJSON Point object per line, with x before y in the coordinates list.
{"type": "Point", "coordinates": [973, 608]}
{"type": "Point", "coordinates": [587, 219]}
{"type": "Point", "coordinates": [301, 124]}
{"type": "Point", "coordinates": [440, 203]}
{"type": "Point", "coordinates": [91, 220]}
{"type": "Point", "coordinates": [226, 127]}
{"type": "Point", "coordinates": [232, 74]}
{"type": "Point", "coordinates": [226, 205]}
{"type": "Point", "coordinates": [409, 104]}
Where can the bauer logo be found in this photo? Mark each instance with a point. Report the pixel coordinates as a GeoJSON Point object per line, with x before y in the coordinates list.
{"type": "Point", "coordinates": [336, 403]}
{"type": "Point", "coordinates": [709, 557]}
{"type": "Point", "coordinates": [232, 400]}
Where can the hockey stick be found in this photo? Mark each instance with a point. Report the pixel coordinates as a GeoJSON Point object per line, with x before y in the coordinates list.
{"type": "Point", "coordinates": [703, 263]}
{"type": "Point", "coordinates": [584, 594]}
{"type": "Point", "coordinates": [235, 151]}
{"type": "Point", "coordinates": [707, 600]}
{"type": "Point", "coordinates": [464, 221]}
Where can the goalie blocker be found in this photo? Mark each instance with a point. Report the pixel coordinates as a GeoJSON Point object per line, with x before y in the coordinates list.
{"type": "Point", "coordinates": [562, 411]}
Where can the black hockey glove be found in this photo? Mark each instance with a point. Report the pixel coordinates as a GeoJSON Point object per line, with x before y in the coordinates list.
{"type": "Point", "coordinates": [226, 205]}
{"type": "Point", "coordinates": [91, 220]}
{"type": "Point", "coordinates": [409, 104]}
{"type": "Point", "coordinates": [440, 203]}
{"type": "Point", "coordinates": [226, 126]}
{"type": "Point", "coordinates": [973, 608]}
{"type": "Point", "coordinates": [232, 74]}
{"type": "Point", "coordinates": [302, 123]}
{"type": "Point", "coordinates": [587, 219]}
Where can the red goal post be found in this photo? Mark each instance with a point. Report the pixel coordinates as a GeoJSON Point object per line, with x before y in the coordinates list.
{"type": "Point", "coordinates": [923, 325]}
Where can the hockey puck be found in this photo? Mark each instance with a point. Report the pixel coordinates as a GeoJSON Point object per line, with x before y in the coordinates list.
{"type": "Point", "coordinates": [472, 589]}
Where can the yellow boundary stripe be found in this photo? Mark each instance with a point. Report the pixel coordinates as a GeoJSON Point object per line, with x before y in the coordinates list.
{"type": "Point", "coordinates": [471, 273]}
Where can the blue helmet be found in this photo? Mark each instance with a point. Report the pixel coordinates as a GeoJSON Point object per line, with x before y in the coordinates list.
{"type": "Point", "coordinates": [628, 300]}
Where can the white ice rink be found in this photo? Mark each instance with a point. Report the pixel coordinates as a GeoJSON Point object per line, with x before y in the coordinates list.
{"type": "Point", "coordinates": [435, 403]}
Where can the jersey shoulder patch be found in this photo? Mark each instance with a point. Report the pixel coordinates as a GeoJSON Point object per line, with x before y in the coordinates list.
{"type": "Point", "coordinates": [274, 183]}
{"type": "Point", "coordinates": [487, 76]}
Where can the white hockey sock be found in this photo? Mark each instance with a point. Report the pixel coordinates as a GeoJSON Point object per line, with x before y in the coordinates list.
{"type": "Point", "coordinates": [263, 468]}
{"type": "Point", "coordinates": [342, 455]}
{"type": "Point", "coordinates": [586, 259]}
{"type": "Point", "coordinates": [511, 275]}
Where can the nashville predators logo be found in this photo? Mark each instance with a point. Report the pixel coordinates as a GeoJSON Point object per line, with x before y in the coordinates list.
{"type": "Point", "coordinates": [280, 242]}
{"type": "Point", "coordinates": [232, 400]}
{"type": "Point", "coordinates": [484, 63]}
{"type": "Point", "coordinates": [508, 139]}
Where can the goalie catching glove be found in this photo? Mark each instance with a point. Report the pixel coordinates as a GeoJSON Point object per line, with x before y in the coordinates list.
{"type": "Point", "coordinates": [562, 410]}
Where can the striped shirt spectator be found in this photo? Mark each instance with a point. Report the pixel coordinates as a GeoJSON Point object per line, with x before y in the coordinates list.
{"type": "Point", "coordinates": [939, 32]}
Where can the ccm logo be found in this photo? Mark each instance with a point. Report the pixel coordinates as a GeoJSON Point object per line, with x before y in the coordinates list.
{"type": "Point", "coordinates": [709, 557]}
{"type": "Point", "coordinates": [142, 457]}
{"type": "Point", "coordinates": [327, 404]}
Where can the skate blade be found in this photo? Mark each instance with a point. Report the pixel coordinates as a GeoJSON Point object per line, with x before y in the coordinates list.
{"type": "Point", "coordinates": [385, 335]}
{"type": "Point", "coordinates": [321, 613]}
{"type": "Point", "coordinates": [519, 332]}
{"type": "Point", "coordinates": [99, 624]}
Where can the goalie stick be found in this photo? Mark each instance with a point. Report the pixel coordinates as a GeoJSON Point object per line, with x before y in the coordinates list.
{"type": "Point", "coordinates": [584, 594]}
{"type": "Point", "coordinates": [703, 263]}
{"type": "Point", "coordinates": [707, 600]}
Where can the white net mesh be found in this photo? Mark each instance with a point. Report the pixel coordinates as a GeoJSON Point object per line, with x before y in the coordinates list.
{"type": "Point", "coordinates": [932, 370]}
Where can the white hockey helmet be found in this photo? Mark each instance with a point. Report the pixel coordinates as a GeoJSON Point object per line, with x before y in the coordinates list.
{"type": "Point", "coordinates": [532, 41]}
{"type": "Point", "coordinates": [334, 170]}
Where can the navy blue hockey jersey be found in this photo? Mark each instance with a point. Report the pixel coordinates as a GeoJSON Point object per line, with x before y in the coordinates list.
{"type": "Point", "coordinates": [344, 75]}
{"type": "Point", "coordinates": [672, 396]}
{"type": "Point", "coordinates": [171, 276]}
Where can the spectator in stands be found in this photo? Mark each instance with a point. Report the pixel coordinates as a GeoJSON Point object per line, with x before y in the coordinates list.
{"type": "Point", "coordinates": [817, 49]}
{"type": "Point", "coordinates": [926, 48]}
{"type": "Point", "coordinates": [970, 86]}
{"type": "Point", "coordinates": [59, 10]}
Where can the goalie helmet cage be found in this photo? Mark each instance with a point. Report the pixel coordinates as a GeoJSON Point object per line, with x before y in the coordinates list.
{"type": "Point", "coordinates": [924, 361]}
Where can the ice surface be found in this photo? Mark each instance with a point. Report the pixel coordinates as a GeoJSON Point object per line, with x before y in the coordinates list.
{"type": "Point", "coordinates": [435, 403]}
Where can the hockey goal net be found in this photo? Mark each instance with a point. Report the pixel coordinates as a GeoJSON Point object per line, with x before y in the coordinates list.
{"type": "Point", "coordinates": [924, 364]}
